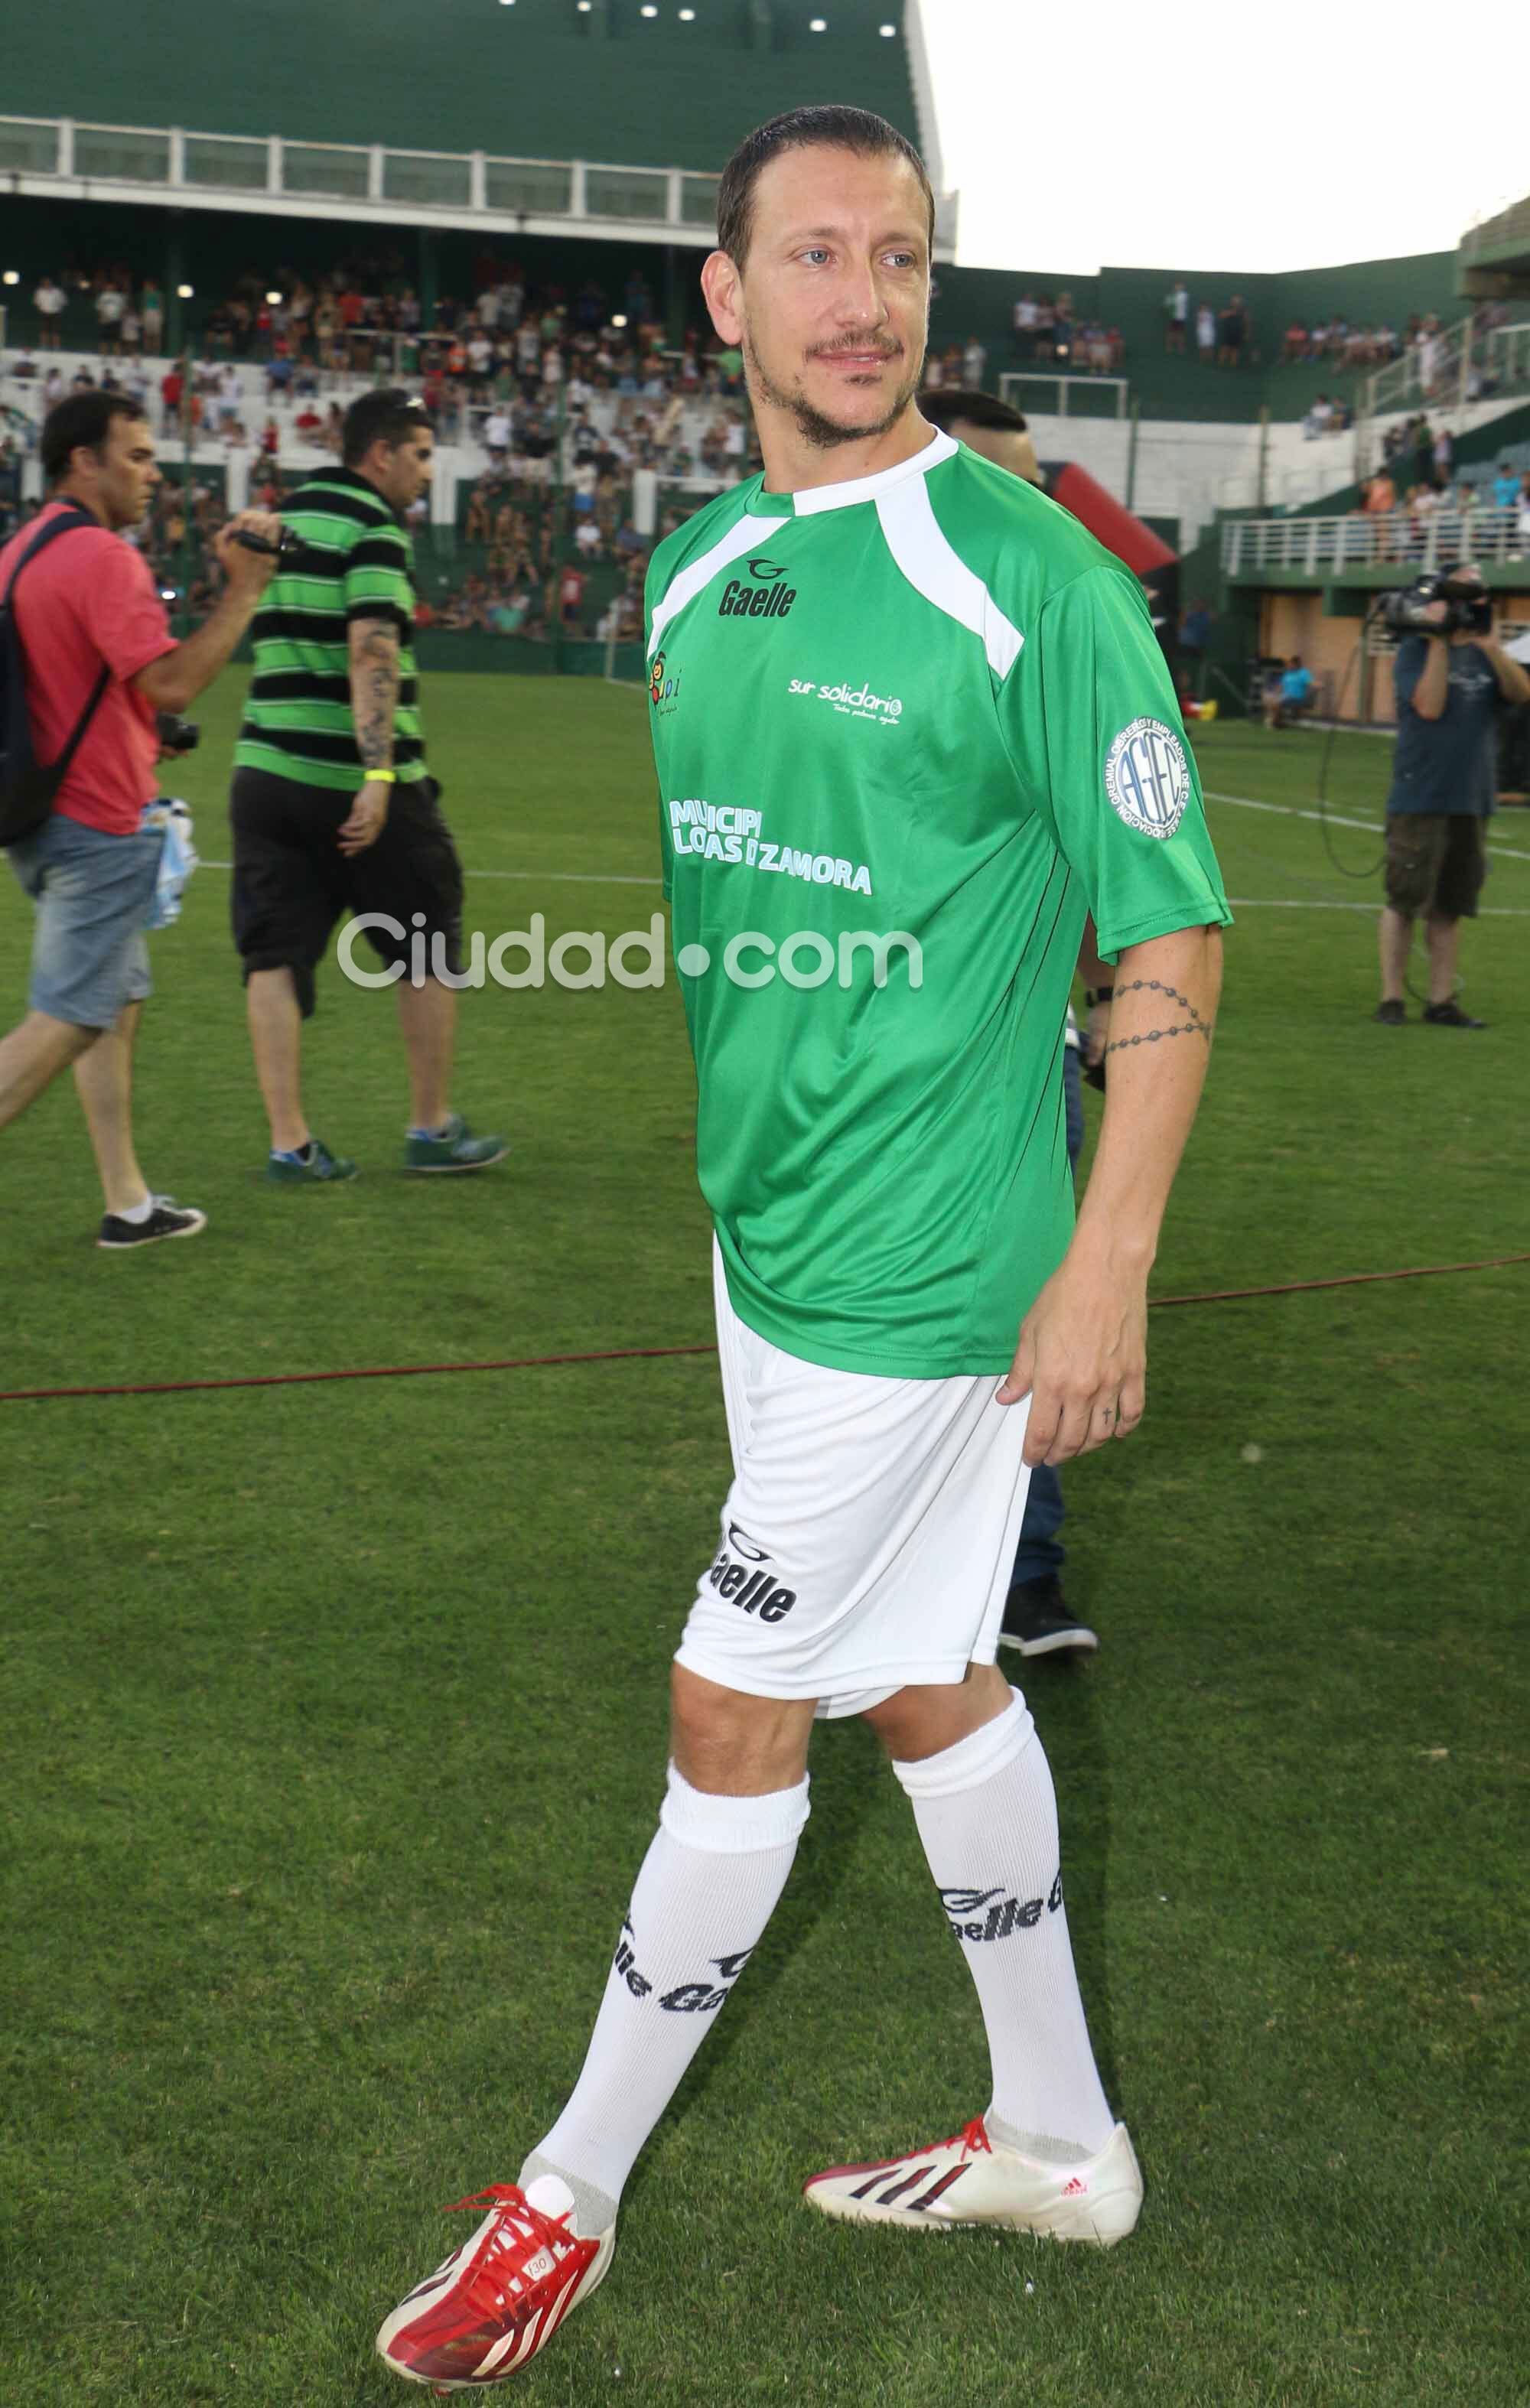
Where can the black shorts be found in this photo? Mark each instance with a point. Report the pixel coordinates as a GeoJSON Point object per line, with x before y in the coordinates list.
{"type": "Point", "coordinates": [292, 883]}
{"type": "Point", "coordinates": [1435, 862]}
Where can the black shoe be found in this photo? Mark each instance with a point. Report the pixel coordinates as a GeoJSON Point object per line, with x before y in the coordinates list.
{"type": "Point", "coordinates": [1450, 1015]}
{"type": "Point", "coordinates": [168, 1218]}
{"type": "Point", "coordinates": [1392, 1014]}
{"type": "Point", "coordinates": [1037, 1622]}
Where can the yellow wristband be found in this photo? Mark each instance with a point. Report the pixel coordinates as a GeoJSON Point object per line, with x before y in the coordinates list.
{"type": "Point", "coordinates": [380, 778]}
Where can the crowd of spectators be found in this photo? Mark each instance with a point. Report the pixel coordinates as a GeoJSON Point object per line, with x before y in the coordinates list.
{"type": "Point", "coordinates": [1222, 331]}
{"type": "Point", "coordinates": [1413, 490]}
{"type": "Point", "coordinates": [1049, 331]}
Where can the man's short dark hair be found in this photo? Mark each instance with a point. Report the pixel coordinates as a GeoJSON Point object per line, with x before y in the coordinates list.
{"type": "Point", "coordinates": [388, 416]}
{"type": "Point", "coordinates": [950, 402]}
{"type": "Point", "coordinates": [831, 127]}
{"type": "Point", "coordinates": [82, 420]}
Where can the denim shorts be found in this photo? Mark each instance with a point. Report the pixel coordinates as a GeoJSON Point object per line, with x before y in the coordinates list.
{"type": "Point", "coordinates": [92, 892]}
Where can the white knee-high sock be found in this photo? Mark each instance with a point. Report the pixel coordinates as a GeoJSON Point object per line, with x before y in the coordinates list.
{"type": "Point", "coordinates": [988, 1818]}
{"type": "Point", "coordinates": [707, 1889]}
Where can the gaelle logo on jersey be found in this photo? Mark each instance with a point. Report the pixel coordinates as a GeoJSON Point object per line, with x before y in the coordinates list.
{"type": "Point", "coordinates": [744, 1584]}
{"type": "Point", "coordinates": [766, 599]}
{"type": "Point", "coordinates": [992, 1914]}
{"type": "Point", "coordinates": [662, 688]}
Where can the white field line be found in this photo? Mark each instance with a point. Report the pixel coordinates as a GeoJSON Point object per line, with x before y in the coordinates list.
{"type": "Point", "coordinates": [1290, 812]}
{"type": "Point", "coordinates": [1238, 902]}
{"type": "Point", "coordinates": [1306, 903]}
{"type": "Point", "coordinates": [548, 877]}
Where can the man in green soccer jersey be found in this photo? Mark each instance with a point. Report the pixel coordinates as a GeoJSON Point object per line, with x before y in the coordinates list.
{"type": "Point", "coordinates": [333, 809]}
{"type": "Point", "coordinates": [911, 724]}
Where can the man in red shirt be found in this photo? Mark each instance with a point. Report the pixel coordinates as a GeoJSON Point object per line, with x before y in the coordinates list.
{"type": "Point", "coordinates": [88, 602]}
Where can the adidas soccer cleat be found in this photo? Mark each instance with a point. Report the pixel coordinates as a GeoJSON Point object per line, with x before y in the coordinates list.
{"type": "Point", "coordinates": [968, 2180]}
{"type": "Point", "coordinates": [488, 2309]}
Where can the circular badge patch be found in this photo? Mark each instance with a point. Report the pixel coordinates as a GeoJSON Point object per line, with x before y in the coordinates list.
{"type": "Point", "coordinates": [1147, 778]}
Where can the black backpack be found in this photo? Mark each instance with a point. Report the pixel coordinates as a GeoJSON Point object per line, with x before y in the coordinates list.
{"type": "Point", "coordinates": [27, 787]}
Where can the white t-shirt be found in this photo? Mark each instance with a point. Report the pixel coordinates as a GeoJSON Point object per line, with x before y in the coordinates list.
{"type": "Point", "coordinates": [496, 431]}
{"type": "Point", "coordinates": [50, 299]}
{"type": "Point", "coordinates": [1206, 329]}
{"type": "Point", "coordinates": [1024, 315]}
{"type": "Point", "coordinates": [109, 305]}
{"type": "Point", "coordinates": [481, 352]}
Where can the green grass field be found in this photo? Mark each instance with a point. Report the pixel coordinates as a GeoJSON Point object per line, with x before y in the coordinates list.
{"type": "Point", "coordinates": [335, 1713]}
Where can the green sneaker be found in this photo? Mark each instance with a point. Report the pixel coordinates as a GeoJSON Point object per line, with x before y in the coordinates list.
{"type": "Point", "coordinates": [455, 1149]}
{"type": "Point", "coordinates": [321, 1167]}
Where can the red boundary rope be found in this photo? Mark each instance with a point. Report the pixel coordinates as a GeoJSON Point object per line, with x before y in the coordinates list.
{"type": "Point", "coordinates": [652, 1354]}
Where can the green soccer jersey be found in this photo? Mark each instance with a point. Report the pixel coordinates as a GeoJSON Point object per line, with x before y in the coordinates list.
{"type": "Point", "coordinates": [907, 729]}
{"type": "Point", "coordinates": [356, 562]}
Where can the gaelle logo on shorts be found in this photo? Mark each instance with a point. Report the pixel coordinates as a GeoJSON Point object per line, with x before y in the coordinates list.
{"type": "Point", "coordinates": [744, 1584]}
{"type": "Point", "coordinates": [1147, 778]}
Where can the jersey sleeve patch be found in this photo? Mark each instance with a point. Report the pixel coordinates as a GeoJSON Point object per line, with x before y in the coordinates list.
{"type": "Point", "coordinates": [1147, 778]}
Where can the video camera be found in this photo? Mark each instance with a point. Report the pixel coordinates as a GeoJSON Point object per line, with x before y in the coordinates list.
{"type": "Point", "coordinates": [1468, 606]}
{"type": "Point", "coordinates": [286, 545]}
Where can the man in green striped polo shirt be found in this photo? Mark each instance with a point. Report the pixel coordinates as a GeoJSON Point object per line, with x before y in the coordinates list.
{"type": "Point", "coordinates": [332, 808]}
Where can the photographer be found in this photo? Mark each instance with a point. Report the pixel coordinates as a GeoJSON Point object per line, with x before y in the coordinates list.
{"type": "Point", "coordinates": [100, 664]}
{"type": "Point", "coordinates": [1451, 683]}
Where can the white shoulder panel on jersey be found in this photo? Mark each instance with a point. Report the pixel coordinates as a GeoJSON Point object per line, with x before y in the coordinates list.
{"type": "Point", "coordinates": [924, 554]}
{"type": "Point", "coordinates": [682, 589]}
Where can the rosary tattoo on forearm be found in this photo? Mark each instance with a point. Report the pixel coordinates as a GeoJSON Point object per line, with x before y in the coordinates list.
{"type": "Point", "coordinates": [1194, 1026]}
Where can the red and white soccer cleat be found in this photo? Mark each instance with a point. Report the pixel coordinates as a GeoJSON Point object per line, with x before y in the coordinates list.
{"type": "Point", "coordinates": [972, 2180]}
{"type": "Point", "coordinates": [490, 2307]}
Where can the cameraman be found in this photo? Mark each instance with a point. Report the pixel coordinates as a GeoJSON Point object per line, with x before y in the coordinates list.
{"type": "Point", "coordinates": [100, 656]}
{"type": "Point", "coordinates": [1451, 681]}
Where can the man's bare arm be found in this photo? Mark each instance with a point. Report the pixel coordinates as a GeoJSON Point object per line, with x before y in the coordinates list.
{"type": "Point", "coordinates": [374, 689]}
{"type": "Point", "coordinates": [1083, 1352]}
{"type": "Point", "coordinates": [1513, 685]}
{"type": "Point", "coordinates": [372, 646]}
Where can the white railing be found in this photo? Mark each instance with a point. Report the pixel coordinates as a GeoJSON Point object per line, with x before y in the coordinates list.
{"type": "Point", "coordinates": [1011, 382]}
{"type": "Point", "coordinates": [270, 173]}
{"type": "Point", "coordinates": [1362, 539]}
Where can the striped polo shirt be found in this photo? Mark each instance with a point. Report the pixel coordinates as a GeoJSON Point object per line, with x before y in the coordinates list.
{"type": "Point", "coordinates": [356, 562]}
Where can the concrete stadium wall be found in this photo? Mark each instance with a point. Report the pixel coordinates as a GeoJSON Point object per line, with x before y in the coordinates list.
{"type": "Point", "coordinates": [536, 81]}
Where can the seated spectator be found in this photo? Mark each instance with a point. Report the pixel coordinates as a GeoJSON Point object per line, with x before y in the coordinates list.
{"type": "Point", "coordinates": [1319, 418]}
{"type": "Point", "coordinates": [308, 424]}
{"type": "Point", "coordinates": [1290, 696]}
{"type": "Point", "coordinates": [1296, 343]}
{"type": "Point", "coordinates": [1505, 487]}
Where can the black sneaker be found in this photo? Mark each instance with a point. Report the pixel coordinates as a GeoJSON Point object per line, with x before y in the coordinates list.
{"type": "Point", "coordinates": [168, 1218]}
{"type": "Point", "coordinates": [1392, 1014]}
{"type": "Point", "coordinates": [1450, 1015]}
{"type": "Point", "coordinates": [1037, 1622]}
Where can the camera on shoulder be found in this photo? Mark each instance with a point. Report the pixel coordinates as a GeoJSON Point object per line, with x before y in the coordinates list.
{"type": "Point", "coordinates": [1468, 606]}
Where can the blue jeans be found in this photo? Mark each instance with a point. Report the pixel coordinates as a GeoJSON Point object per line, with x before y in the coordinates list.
{"type": "Point", "coordinates": [92, 892]}
{"type": "Point", "coordinates": [1041, 1555]}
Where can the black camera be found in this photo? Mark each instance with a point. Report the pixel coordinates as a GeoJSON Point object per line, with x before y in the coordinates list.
{"type": "Point", "coordinates": [177, 735]}
{"type": "Point", "coordinates": [1468, 608]}
{"type": "Point", "coordinates": [286, 544]}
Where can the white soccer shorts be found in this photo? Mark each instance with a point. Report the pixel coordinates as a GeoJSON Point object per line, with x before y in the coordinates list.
{"type": "Point", "coordinates": [867, 1538]}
